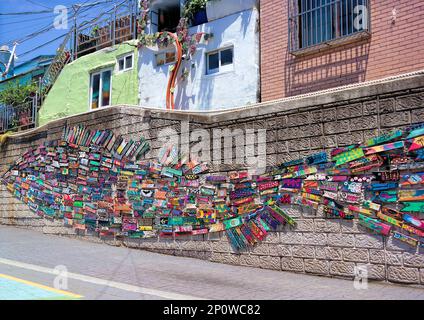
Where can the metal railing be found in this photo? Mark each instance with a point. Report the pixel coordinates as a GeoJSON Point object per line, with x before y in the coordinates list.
{"type": "Point", "coordinates": [62, 57]}
{"type": "Point", "coordinates": [18, 118]}
{"type": "Point", "coordinates": [109, 28]}
{"type": "Point", "coordinates": [322, 22]}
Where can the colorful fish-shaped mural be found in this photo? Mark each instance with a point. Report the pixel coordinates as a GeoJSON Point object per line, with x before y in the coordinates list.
{"type": "Point", "coordinates": [96, 181]}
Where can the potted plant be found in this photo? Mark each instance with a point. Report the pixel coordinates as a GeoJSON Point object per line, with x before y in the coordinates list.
{"type": "Point", "coordinates": [195, 11]}
{"type": "Point", "coordinates": [95, 31]}
{"type": "Point", "coordinates": [14, 96]}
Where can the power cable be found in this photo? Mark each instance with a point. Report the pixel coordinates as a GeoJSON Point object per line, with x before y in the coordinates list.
{"type": "Point", "coordinates": [85, 7]}
{"type": "Point", "coordinates": [50, 26]}
{"type": "Point", "coordinates": [43, 45]}
{"type": "Point", "coordinates": [33, 35]}
{"type": "Point", "coordinates": [57, 38]}
{"type": "Point", "coordinates": [24, 21]}
{"type": "Point", "coordinates": [25, 13]}
{"type": "Point", "coordinates": [38, 4]}
{"type": "Point", "coordinates": [51, 10]}
{"type": "Point", "coordinates": [102, 13]}
{"type": "Point", "coordinates": [20, 29]}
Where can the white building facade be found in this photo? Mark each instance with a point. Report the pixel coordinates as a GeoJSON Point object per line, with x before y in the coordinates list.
{"type": "Point", "coordinates": [224, 71]}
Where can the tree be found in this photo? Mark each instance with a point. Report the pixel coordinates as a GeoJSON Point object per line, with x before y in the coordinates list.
{"type": "Point", "coordinates": [16, 94]}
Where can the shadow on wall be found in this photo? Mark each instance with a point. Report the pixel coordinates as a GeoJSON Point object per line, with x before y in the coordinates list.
{"type": "Point", "coordinates": [204, 91]}
{"type": "Point", "coordinates": [323, 70]}
{"type": "Point", "coordinates": [152, 62]}
{"type": "Point", "coordinates": [200, 91]}
{"type": "Point", "coordinates": [183, 96]}
{"type": "Point", "coordinates": [152, 65]}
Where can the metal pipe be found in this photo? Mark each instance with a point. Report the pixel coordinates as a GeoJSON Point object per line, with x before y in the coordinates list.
{"type": "Point", "coordinates": [131, 10]}
{"type": "Point", "coordinates": [170, 91]}
{"type": "Point", "coordinates": [114, 25]}
{"type": "Point", "coordinates": [35, 114]}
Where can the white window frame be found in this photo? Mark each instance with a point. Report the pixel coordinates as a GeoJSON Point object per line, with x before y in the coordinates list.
{"type": "Point", "coordinates": [124, 57]}
{"type": "Point", "coordinates": [220, 69]}
{"type": "Point", "coordinates": [165, 52]}
{"type": "Point", "coordinates": [90, 95]}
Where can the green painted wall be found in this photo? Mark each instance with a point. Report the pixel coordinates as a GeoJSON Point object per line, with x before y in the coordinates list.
{"type": "Point", "coordinates": [70, 93]}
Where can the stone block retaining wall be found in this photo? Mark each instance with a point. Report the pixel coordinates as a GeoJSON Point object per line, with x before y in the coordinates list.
{"type": "Point", "coordinates": [295, 128]}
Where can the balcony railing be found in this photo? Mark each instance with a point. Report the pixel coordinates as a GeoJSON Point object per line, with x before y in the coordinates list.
{"type": "Point", "coordinates": [18, 118]}
{"type": "Point", "coordinates": [112, 27]}
{"type": "Point", "coordinates": [322, 23]}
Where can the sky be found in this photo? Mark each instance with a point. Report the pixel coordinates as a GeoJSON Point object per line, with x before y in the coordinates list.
{"type": "Point", "coordinates": [17, 27]}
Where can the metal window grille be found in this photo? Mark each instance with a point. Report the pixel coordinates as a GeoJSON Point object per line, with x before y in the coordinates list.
{"type": "Point", "coordinates": [317, 22]}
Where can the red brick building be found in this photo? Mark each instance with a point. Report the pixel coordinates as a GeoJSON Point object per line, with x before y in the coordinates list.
{"type": "Point", "coordinates": [311, 45]}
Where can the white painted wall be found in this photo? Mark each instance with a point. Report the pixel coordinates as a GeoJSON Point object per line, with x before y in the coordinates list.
{"type": "Point", "coordinates": [220, 8]}
{"type": "Point", "coordinates": [209, 92]}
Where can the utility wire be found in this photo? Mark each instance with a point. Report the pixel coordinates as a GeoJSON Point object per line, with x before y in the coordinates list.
{"type": "Point", "coordinates": [51, 41]}
{"type": "Point", "coordinates": [25, 13]}
{"type": "Point", "coordinates": [25, 21]}
{"type": "Point", "coordinates": [43, 45]}
{"type": "Point", "coordinates": [100, 15]}
{"type": "Point", "coordinates": [85, 7]}
{"type": "Point", "coordinates": [33, 35]}
{"type": "Point", "coordinates": [12, 34]}
{"type": "Point", "coordinates": [81, 9]}
{"type": "Point", "coordinates": [38, 4]}
{"type": "Point", "coordinates": [51, 10]}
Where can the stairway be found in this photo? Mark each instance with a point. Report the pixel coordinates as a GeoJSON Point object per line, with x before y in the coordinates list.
{"type": "Point", "coordinates": [60, 60]}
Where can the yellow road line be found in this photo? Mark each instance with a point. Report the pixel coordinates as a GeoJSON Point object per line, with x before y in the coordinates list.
{"type": "Point", "coordinates": [41, 286]}
{"type": "Point", "coordinates": [101, 282]}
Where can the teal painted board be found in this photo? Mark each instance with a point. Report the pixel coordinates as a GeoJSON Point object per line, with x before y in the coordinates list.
{"type": "Point", "coordinates": [14, 290]}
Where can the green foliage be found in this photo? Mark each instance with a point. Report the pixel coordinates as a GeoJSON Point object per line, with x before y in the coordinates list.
{"type": "Point", "coordinates": [16, 94]}
{"type": "Point", "coordinates": [95, 31]}
{"type": "Point", "coordinates": [163, 39]}
{"type": "Point", "coordinates": [193, 6]}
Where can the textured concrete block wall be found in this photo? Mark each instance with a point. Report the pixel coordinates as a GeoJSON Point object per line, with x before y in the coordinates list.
{"type": "Point", "coordinates": [12, 211]}
{"type": "Point", "coordinates": [318, 245]}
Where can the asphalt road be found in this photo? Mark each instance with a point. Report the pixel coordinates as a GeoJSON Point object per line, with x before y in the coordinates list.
{"type": "Point", "coordinates": [32, 266]}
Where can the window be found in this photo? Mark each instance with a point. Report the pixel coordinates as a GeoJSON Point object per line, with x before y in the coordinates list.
{"type": "Point", "coordinates": [165, 57]}
{"type": "Point", "coordinates": [100, 89]}
{"type": "Point", "coordinates": [313, 22]}
{"type": "Point", "coordinates": [125, 63]}
{"type": "Point", "coordinates": [164, 15]}
{"type": "Point", "coordinates": [220, 60]}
